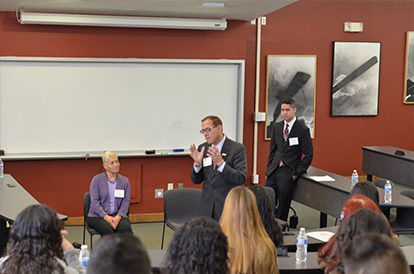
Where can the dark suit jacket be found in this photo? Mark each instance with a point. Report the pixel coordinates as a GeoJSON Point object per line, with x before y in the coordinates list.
{"type": "Point", "coordinates": [217, 185]}
{"type": "Point", "coordinates": [290, 155]}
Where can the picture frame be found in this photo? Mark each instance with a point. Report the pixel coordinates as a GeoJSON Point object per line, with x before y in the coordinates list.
{"type": "Point", "coordinates": [355, 78]}
{"type": "Point", "coordinates": [291, 76]}
{"type": "Point", "coordinates": [409, 69]}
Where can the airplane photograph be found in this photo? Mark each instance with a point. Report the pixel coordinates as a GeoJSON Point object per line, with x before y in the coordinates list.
{"type": "Point", "coordinates": [291, 77]}
{"type": "Point", "coordinates": [355, 79]}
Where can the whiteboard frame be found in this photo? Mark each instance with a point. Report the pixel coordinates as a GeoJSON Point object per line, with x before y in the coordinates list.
{"type": "Point", "coordinates": [94, 154]}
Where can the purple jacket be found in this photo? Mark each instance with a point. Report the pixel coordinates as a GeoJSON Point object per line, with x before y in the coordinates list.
{"type": "Point", "coordinates": [100, 196]}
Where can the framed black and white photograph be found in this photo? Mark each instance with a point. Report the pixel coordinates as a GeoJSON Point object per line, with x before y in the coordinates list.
{"type": "Point", "coordinates": [409, 69]}
{"type": "Point", "coordinates": [291, 76]}
{"type": "Point", "coordinates": [355, 78]}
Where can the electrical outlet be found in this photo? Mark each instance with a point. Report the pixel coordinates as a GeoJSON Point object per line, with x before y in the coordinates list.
{"type": "Point", "coordinates": [159, 193]}
{"type": "Point", "coordinates": [180, 185]}
{"type": "Point", "coordinates": [263, 21]}
{"type": "Point", "coordinates": [170, 186]}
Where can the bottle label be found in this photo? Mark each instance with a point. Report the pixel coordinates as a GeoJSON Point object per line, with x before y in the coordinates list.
{"type": "Point", "coordinates": [301, 241]}
{"type": "Point", "coordinates": [388, 189]}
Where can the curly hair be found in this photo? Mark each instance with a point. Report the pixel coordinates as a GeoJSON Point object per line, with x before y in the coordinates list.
{"type": "Point", "coordinates": [363, 221]}
{"type": "Point", "coordinates": [34, 243]}
{"type": "Point", "coordinates": [119, 253]}
{"type": "Point", "coordinates": [250, 248]}
{"type": "Point", "coordinates": [197, 247]}
{"type": "Point", "coordinates": [270, 224]}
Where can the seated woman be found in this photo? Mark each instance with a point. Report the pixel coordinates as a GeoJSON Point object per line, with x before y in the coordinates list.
{"type": "Point", "coordinates": [38, 245]}
{"type": "Point", "coordinates": [270, 224]}
{"type": "Point", "coordinates": [250, 248]}
{"type": "Point", "coordinates": [110, 195]}
{"type": "Point", "coordinates": [197, 247]}
{"type": "Point", "coordinates": [328, 257]}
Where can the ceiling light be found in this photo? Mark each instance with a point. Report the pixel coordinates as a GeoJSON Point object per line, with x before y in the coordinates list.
{"type": "Point", "coordinates": [213, 4]}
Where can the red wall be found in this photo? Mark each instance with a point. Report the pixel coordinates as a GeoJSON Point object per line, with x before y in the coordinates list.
{"type": "Point", "coordinates": [305, 27]}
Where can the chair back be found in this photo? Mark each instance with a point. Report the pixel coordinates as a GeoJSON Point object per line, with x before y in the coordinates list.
{"type": "Point", "coordinates": [86, 204]}
{"type": "Point", "coordinates": [408, 193]}
{"type": "Point", "coordinates": [272, 196]}
{"type": "Point", "coordinates": [181, 205]}
{"type": "Point", "coordinates": [380, 182]}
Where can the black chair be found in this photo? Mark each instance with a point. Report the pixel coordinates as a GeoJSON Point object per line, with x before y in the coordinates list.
{"type": "Point", "coordinates": [86, 206]}
{"type": "Point", "coordinates": [380, 182]}
{"type": "Point", "coordinates": [271, 193]}
{"type": "Point", "coordinates": [180, 205]}
{"type": "Point", "coordinates": [404, 222]}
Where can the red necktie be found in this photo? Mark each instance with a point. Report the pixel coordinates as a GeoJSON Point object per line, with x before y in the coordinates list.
{"type": "Point", "coordinates": [286, 132]}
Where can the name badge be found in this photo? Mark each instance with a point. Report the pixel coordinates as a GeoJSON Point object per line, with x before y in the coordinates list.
{"type": "Point", "coordinates": [294, 141]}
{"type": "Point", "coordinates": [119, 193]}
{"type": "Point", "coordinates": [207, 161]}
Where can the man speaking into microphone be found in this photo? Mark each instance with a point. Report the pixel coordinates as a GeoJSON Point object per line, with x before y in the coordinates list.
{"type": "Point", "coordinates": [220, 163]}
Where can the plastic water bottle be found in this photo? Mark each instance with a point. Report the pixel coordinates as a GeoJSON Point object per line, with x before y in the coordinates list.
{"type": "Point", "coordinates": [302, 246]}
{"type": "Point", "coordinates": [388, 192]}
{"type": "Point", "coordinates": [84, 255]}
{"type": "Point", "coordinates": [1, 169]}
{"type": "Point", "coordinates": [354, 178]}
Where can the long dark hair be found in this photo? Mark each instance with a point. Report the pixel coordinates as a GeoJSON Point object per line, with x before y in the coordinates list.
{"type": "Point", "coordinates": [198, 246]}
{"type": "Point", "coordinates": [270, 224]}
{"type": "Point", "coordinates": [35, 243]}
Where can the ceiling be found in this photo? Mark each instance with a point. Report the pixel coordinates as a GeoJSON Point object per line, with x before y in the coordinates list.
{"type": "Point", "coordinates": [233, 10]}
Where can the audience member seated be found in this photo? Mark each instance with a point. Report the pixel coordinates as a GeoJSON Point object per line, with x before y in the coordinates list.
{"type": "Point", "coordinates": [366, 188]}
{"type": "Point", "coordinates": [197, 247]}
{"type": "Point", "coordinates": [373, 254]}
{"type": "Point", "coordinates": [37, 244]}
{"type": "Point", "coordinates": [110, 195]}
{"type": "Point", "coordinates": [119, 253]}
{"type": "Point", "coordinates": [250, 248]}
{"type": "Point", "coordinates": [270, 224]}
{"type": "Point", "coordinates": [328, 257]}
{"type": "Point", "coordinates": [363, 221]}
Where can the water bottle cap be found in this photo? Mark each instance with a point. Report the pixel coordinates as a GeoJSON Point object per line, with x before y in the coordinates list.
{"type": "Point", "coordinates": [302, 228]}
{"type": "Point", "coordinates": [354, 170]}
{"type": "Point", "coordinates": [84, 246]}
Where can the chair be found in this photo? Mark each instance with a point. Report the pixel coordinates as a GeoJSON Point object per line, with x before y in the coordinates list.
{"type": "Point", "coordinates": [180, 205]}
{"type": "Point", "coordinates": [404, 222]}
{"type": "Point", "coordinates": [380, 182]}
{"type": "Point", "coordinates": [271, 193]}
{"type": "Point", "coordinates": [86, 206]}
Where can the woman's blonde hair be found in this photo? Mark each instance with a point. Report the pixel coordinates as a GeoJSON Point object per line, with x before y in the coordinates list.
{"type": "Point", "coordinates": [250, 248]}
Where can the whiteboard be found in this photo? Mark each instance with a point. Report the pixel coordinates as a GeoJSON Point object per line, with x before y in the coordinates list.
{"type": "Point", "coordinates": [64, 105]}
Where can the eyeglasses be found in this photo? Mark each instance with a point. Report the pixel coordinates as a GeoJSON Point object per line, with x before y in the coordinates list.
{"type": "Point", "coordinates": [207, 129]}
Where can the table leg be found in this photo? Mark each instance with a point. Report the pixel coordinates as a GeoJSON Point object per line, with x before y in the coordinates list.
{"type": "Point", "coordinates": [4, 235]}
{"type": "Point", "coordinates": [323, 220]}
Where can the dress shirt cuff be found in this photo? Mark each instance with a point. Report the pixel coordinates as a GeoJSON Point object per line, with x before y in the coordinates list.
{"type": "Point", "coordinates": [220, 169]}
{"type": "Point", "coordinates": [197, 168]}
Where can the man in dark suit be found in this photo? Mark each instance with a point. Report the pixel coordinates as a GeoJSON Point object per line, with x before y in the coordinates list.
{"type": "Point", "coordinates": [220, 162]}
{"type": "Point", "coordinates": [290, 155]}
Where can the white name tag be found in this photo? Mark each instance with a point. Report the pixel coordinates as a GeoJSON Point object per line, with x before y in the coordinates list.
{"type": "Point", "coordinates": [294, 141]}
{"type": "Point", "coordinates": [119, 193]}
{"type": "Point", "coordinates": [207, 161]}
